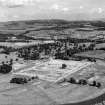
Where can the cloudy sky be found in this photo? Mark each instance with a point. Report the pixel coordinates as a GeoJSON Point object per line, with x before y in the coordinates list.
{"type": "Point", "coordinates": [11, 10]}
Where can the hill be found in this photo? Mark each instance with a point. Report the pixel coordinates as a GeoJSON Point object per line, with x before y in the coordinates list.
{"type": "Point", "coordinates": [48, 29]}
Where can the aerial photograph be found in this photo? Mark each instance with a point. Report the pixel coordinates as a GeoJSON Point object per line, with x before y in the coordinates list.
{"type": "Point", "coordinates": [52, 52]}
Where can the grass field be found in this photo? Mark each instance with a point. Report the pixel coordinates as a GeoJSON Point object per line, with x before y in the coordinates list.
{"type": "Point", "coordinates": [94, 54]}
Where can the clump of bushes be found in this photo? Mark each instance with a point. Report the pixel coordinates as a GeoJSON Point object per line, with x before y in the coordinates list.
{"type": "Point", "coordinates": [96, 84]}
{"type": "Point", "coordinates": [83, 82]}
{"type": "Point", "coordinates": [19, 80]}
{"type": "Point", "coordinates": [22, 80]}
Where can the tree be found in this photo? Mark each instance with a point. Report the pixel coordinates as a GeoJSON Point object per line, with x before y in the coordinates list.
{"type": "Point", "coordinates": [72, 80]}
{"type": "Point", "coordinates": [98, 85]}
{"type": "Point", "coordinates": [93, 83]}
{"type": "Point", "coordinates": [5, 68]}
{"type": "Point", "coordinates": [64, 66]}
{"type": "Point", "coordinates": [82, 82]}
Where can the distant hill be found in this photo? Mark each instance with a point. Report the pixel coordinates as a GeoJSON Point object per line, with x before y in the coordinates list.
{"type": "Point", "coordinates": [34, 29]}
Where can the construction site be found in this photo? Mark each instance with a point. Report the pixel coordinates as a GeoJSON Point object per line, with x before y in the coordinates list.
{"type": "Point", "coordinates": [53, 82]}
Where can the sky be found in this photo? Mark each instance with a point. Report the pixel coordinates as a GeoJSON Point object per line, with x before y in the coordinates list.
{"type": "Point", "coordinates": [13, 10]}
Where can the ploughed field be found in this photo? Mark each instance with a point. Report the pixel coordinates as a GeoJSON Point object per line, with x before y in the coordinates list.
{"type": "Point", "coordinates": [49, 88]}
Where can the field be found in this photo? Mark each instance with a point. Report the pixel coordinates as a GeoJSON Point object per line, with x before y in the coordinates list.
{"type": "Point", "coordinates": [99, 54]}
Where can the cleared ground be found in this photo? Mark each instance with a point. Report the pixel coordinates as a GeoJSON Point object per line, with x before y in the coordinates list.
{"type": "Point", "coordinates": [52, 69]}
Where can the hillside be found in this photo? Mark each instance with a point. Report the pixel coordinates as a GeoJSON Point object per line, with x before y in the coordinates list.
{"type": "Point", "coordinates": [49, 29]}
